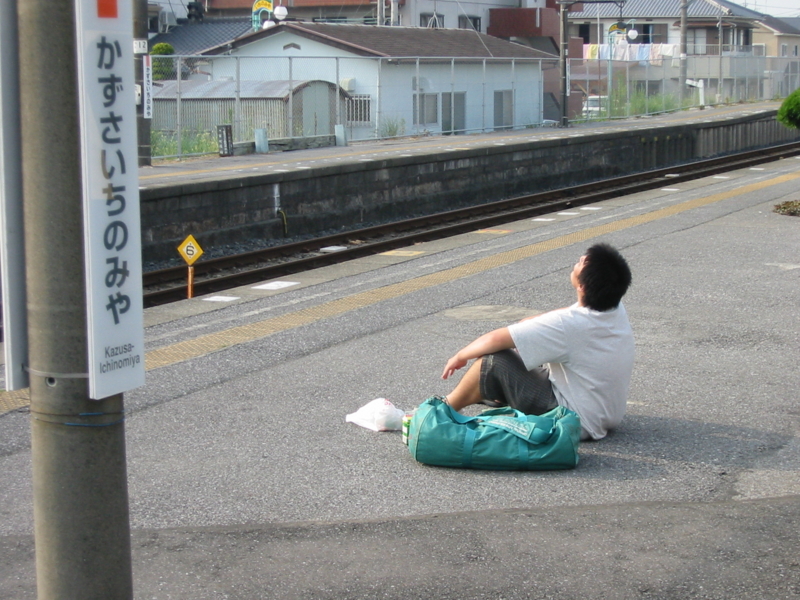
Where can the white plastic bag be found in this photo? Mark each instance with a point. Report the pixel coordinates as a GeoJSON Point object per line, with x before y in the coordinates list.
{"type": "Point", "coordinates": [377, 415]}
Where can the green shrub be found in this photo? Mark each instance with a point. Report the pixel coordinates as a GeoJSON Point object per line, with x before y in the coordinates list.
{"type": "Point", "coordinates": [165, 143]}
{"type": "Point", "coordinates": [789, 112]}
{"type": "Point", "coordinates": [163, 68]}
{"type": "Point", "coordinates": [392, 127]}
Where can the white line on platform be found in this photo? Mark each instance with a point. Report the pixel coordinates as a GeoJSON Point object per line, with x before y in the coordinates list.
{"type": "Point", "coordinates": [275, 285]}
{"type": "Point", "coordinates": [220, 299]}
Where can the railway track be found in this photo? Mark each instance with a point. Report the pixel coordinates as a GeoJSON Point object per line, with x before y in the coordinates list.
{"type": "Point", "coordinates": [219, 274]}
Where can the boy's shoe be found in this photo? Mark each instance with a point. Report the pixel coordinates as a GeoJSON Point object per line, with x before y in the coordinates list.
{"type": "Point", "coordinates": [493, 403]}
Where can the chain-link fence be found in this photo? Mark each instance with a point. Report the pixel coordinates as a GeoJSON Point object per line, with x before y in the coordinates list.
{"type": "Point", "coordinates": [369, 98]}
{"type": "Point", "coordinates": [637, 79]}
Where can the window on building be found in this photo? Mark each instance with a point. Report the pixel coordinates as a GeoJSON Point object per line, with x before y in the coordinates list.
{"type": "Point", "coordinates": [584, 31]}
{"type": "Point", "coordinates": [432, 20]}
{"type": "Point", "coordinates": [695, 41]}
{"type": "Point", "coordinates": [357, 109]}
{"type": "Point", "coordinates": [784, 49]}
{"type": "Point", "coordinates": [646, 33]}
{"type": "Point", "coordinates": [467, 22]}
{"type": "Point", "coordinates": [426, 109]}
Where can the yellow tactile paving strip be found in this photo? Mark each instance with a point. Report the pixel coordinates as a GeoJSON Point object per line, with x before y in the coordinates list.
{"type": "Point", "coordinates": [201, 346]}
{"type": "Point", "coordinates": [13, 400]}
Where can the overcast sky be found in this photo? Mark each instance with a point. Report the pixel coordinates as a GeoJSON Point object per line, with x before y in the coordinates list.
{"type": "Point", "coordinates": [776, 8]}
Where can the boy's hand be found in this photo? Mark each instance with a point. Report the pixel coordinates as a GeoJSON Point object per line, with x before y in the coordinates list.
{"type": "Point", "coordinates": [453, 365]}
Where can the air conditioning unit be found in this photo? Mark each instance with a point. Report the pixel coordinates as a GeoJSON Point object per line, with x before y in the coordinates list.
{"type": "Point", "coordinates": [348, 84]}
{"type": "Point", "coordinates": [166, 19]}
{"type": "Point", "coordinates": [421, 85]}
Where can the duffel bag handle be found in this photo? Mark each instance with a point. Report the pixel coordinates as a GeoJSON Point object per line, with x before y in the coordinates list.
{"type": "Point", "coordinates": [518, 424]}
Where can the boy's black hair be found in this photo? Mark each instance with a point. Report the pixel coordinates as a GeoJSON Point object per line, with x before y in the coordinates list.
{"type": "Point", "coordinates": [605, 277]}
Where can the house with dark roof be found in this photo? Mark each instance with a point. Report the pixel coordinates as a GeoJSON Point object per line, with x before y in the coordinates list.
{"type": "Point", "coordinates": [398, 80]}
{"type": "Point", "coordinates": [191, 37]}
{"type": "Point", "coordinates": [778, 37]}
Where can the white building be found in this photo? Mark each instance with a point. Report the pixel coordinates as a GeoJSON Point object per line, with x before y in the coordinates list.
{"type": "Point", "coordinates": [398, 80]}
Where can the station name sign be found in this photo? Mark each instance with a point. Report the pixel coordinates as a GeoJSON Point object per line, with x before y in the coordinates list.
{"type": "Point", "coordinates": [110, 177]}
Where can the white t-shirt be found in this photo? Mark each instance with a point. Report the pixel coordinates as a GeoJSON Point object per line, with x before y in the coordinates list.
{"type": "Point", "coordinates": [590, 357]}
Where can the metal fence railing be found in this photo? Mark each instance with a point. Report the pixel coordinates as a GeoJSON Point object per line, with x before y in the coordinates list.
{"type": "Point", "coordinates": [371, 98]}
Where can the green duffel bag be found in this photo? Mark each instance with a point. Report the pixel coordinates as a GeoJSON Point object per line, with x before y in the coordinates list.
{"type": "Point", "coordinates": [502, 438]}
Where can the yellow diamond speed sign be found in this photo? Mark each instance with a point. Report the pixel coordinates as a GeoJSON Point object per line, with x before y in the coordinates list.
{"type": "Point", "coordinates": [190, 250]}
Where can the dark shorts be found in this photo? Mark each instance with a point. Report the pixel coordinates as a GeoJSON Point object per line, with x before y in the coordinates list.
{"type": "Point", "coordinates": [505, 379]}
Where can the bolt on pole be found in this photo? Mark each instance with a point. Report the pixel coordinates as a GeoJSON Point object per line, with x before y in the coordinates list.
{"type": "Point", "coordinates": [81, 520]}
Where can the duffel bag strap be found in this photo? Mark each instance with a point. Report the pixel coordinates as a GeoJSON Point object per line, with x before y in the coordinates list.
{"type": "Point", "coordinates": [506, 418]}
{"type": "Point", "coordinates": [469, 443]}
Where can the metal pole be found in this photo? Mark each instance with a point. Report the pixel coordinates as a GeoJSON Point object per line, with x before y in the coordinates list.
{"type": "Point", "coordinates": [338, 95]}
{"type": "Point", "coordinates": [142, 124]}
{"type": "Point", "coordinates": [80, 496]}
{"type": "Point", "coordinates": [379, 100]}
{"type": "Point", "coordinates": [483, 98]}
{"type": "Point", "coordinates": [452, 95]}
{"type": "Point", "coordinates": [291, 100]}
{"type": "Point", "coordinates": [179, 105]}
{"type": "Point", "coordinates": [563, 6]}
{"type": "Point", "coordinates": [682, 75]}
{"type": "Point", "coordinates": [237, 102]}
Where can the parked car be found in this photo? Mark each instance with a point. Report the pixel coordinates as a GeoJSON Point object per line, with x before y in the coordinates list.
{"type": "Point", "coordinates": [595, 106]}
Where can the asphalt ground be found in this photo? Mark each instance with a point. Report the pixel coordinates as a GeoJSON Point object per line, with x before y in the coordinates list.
{"type": "Point", "coordinates": [246, 482]}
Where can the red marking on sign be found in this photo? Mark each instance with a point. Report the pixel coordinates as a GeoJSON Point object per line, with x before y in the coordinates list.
{"type": "Point", "coordinates": [107, 9]}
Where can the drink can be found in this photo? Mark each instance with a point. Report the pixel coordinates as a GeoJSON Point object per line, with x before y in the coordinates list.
{"type": "Point", "coordinates": [405, 427]}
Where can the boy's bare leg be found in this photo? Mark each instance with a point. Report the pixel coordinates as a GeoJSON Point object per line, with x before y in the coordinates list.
{"type": "Point", "coordinates": [468, 390]}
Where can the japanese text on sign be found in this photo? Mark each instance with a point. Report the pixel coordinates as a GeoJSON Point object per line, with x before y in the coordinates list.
{"type": "Point", "coordinates": [111, 197]}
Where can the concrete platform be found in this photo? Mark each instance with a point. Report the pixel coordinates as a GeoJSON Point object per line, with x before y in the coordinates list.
{"type": "Point", "coordinates": [246, 482]}
{"type": "Point", "coordinates": [208, 169]}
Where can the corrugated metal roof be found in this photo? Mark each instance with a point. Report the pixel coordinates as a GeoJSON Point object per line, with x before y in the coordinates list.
{"type": "Point", "coordinates": [397, 42]}
{"type": "Point", "coordinates": [221, 89]}
{"type": "Point", "coordinates": [666, 9]}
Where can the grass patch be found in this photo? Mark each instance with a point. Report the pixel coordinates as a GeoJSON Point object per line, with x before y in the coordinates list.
{"type": "Point", "coordinates": [790, 207]}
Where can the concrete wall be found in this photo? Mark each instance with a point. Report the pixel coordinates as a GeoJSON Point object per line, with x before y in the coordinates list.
{"type": "Point", "coordinates": [245, 207]}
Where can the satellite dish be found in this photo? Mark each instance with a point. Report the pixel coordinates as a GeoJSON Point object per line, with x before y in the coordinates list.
{"type": "Point", "coordinates": [280, 13]}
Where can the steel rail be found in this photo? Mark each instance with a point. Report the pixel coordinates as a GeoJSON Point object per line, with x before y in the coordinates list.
{"type": "Point", "coordinates": [435, 226]}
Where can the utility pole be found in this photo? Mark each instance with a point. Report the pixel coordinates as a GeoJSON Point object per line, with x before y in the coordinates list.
{"type": "Point", "coordinates": [140, 29]}
{"type": "Point", "coordinates": [563, 59]}
{"type": "Point", "coordinates": [682, 76]}
{"type": "Point", "coordinates": [81, 521]}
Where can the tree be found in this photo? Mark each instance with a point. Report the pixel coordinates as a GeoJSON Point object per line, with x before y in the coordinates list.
{"type": "Point", "coordinates": [789, 112]}
{"type": "Point", "coordinates": [163, 68]}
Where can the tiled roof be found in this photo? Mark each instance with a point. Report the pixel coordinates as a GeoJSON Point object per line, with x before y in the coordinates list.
{"type": "Point", "coordinates": [192, 38]}
{"type": "Point", "coordinates": [670, 9]}
{"type": "Point", "coordinates": [792, 22]}
{"type": "Point", "coordinates": [781, 25]}
{"type": "Point", "coordinates": [397, 42]}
